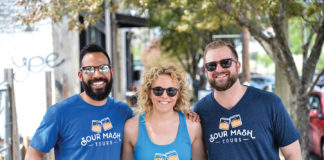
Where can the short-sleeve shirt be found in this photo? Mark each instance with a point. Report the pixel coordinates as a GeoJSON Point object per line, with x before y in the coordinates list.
{"type": "Point", "coordinates": [254, 128]}
{"type": "Point", "coordinates": [78, 130]}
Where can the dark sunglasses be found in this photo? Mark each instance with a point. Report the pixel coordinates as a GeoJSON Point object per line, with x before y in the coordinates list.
{"type": "Point", "coordinates": [171, 92]}
{"type": "Point", "coordinates": [89, 70]}
{"type": "Point", "coordinates": [225, 63]}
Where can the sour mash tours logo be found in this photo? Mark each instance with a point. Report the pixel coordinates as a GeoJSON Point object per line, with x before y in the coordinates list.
{"type": "Point", "coordinates": [172, 155]}
{"type": "Point", "coordinates": [101, 136]}
{"type": "Point", "coordinates": [230, 131]}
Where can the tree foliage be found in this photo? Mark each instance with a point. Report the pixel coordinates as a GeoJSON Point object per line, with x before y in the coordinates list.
{"type": "Point", "coordinates": [91, 10]}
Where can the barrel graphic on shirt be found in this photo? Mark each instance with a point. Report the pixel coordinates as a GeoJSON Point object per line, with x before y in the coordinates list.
{"type": "Point", "coordinates": [106, 123]}
{"type": "Point", "coordinates": [236, 121]}
{"type": "Point", "coordinates": [171, 155]}
{"type": "Point", "coordinates": [159, 156]}
{"type": "Point", "coordinates": [224, 123]}
{"type": "Point", "coordinates": [96, 126]}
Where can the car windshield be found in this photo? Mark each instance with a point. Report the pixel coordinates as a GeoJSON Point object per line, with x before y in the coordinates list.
{"type": "Point", "coordinates": [262, 82]}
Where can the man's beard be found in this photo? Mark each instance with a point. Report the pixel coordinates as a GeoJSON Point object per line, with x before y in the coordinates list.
{"type": "Point", "coordinates": [97, 95]}
{"type": "Point", "coordinates": [229, 83]}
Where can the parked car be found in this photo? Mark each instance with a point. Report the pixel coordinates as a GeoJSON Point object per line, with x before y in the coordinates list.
{"type": "Point", "coordinates": [316, 123]}
{"type": "Point", "coordinates": [264, 82]}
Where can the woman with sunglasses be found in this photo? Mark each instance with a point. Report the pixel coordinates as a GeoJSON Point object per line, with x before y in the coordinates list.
{"type": "Point", "coordinates": [162, 131]}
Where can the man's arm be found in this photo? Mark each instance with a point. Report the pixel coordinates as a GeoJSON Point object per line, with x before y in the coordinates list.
{"type": "Point", "coordinates": [292, 151]}
{"type": "Point", "coordinates": [34, 154]}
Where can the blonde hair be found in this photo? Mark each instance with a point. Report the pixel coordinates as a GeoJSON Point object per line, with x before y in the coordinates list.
{"type": "Point", "coordinates": [144, 100]}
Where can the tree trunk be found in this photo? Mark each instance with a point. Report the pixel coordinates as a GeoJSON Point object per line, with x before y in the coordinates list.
{"type": "Point", "coordinates": [302, 124]}
{"type": "Point", "coordinates": [282, 89]}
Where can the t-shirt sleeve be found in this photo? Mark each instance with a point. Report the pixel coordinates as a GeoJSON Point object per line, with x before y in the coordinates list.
{"type": "Point", "coordinates": [47, 133]}
{"type": "Point", "coordinates": [128, 110]}
{"type": "Point", "coordinates": [284, 129]}
{"type": "Point", "coordinates": [130, 113]}
{"type": "Point", "coordinates": [196, 106]}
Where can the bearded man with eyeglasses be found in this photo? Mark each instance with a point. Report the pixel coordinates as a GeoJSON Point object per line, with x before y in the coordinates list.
{"type": "Point", "coordinates": [88, 125]}
{"type": "Point", "coordinates": [241, 122]}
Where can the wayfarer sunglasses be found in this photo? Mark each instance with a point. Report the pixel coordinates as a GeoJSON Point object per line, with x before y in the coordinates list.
{"type": "Point", "coordinates": [171, 92]}
{"type": "Point", "coordinates": [225, 63]}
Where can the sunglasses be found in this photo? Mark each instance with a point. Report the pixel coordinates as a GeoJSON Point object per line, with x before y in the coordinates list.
{"type": "Point", "coordinates": [89, 70]}
{"type": "Point", "coordinates": [171, 92]}
{"type": "Point", "coordinates": [225, 63]}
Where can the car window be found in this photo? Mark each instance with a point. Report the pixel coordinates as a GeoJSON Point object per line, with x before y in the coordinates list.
{"type": "Point", "coordinates": [315, 103]}
{"type": "Point", "coordinates": [264, 83]}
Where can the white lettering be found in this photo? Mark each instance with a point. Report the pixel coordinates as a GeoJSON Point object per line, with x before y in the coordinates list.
{"type": "Point", "coordinates": [217, 135]}
{"type": "Point", "coordinates": [233, 132]}
{"type": "Point", "coordinates": [83, 141]}
{"type": "Point", "coordinates": [105, 135]}
{"type": "Point", "coordinates": [244, 132]}
{"type": "Point", "coordinates": [250, 133]}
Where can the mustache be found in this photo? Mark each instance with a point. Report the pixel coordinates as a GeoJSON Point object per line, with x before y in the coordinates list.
{"type": "Point", "coordinates": [216, 74]}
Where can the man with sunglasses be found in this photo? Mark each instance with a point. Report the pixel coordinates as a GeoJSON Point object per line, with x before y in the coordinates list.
{"type": "Point", "coordinates": [241, 122]}
{"type": "Point", "coordinates": [88, 125]}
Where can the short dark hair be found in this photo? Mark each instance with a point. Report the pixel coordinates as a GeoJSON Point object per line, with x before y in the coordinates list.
{"type": "Point", "coordinates": [217, 44]}
{"type": "Point", "coordinates": [92, 47]}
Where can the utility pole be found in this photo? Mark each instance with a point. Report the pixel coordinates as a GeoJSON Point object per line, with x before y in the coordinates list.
{"type": "Point", "coordinates": [245, 55]}
{"type": "Point", "coordinates": [111, 38]}
{"type": "Point", "coordinates": [12, 128]}
{"type": "Point", "coordinates": [48, 88]}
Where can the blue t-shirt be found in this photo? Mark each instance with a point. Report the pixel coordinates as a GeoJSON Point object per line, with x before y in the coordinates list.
{"type": "Point", "coordinates": [180, 148]}
{"type": "Point", "coordinates": [80, 131]}
{"type": "Point", "coordinates": [254, 128]}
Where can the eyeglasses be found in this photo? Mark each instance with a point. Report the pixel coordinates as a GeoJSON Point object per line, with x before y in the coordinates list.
{"type": "Point", "coordinates": [89, 70]}
{"type": "Point", "coordinates": [225, 63]}
{"type": "Point", "coordinates": [171, 92]}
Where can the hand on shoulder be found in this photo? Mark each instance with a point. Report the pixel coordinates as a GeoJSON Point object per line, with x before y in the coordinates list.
{"type": "Point", "coordinates": [193, 116]}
